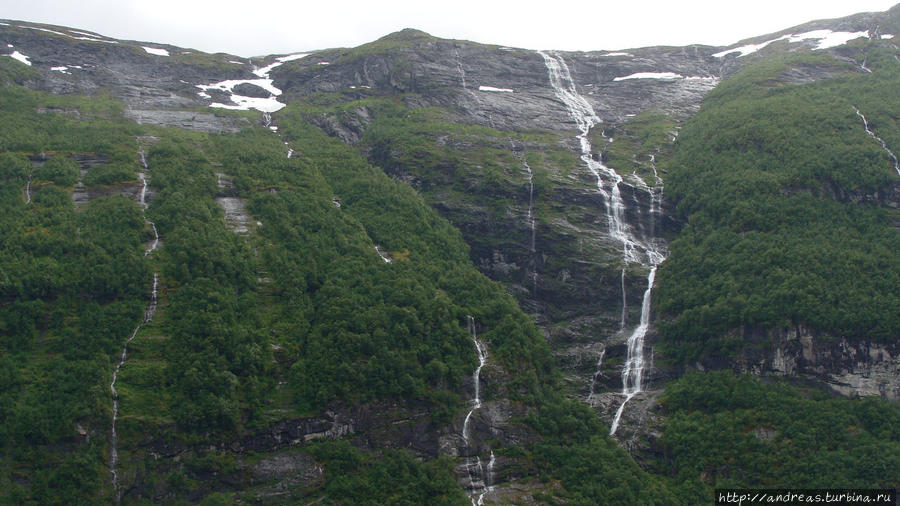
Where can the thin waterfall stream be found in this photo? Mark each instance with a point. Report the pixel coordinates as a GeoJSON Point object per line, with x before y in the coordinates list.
{"type": "Point", "coordinates": [880, 141]}
{"type": "Point", "coordinates": [123, 356]}
{"type": "Point", "coordinates": [646, 253]}
{"type": "Point", "coordinates": [530, 217]}
{"type": "Point", "coordinates": [481, 480]}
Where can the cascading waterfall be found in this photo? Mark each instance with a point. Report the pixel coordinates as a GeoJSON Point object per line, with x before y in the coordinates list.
{"type": "Point", "coordinates": [148, 316]}
{"type": "Point", "coordinates": [880, 140]}
{"type": "Point", "coordinates": [645, 253]}
{"type": "Point", "coordinates": [28, 190]}
{"type": "Point", "coordinates": [633, 373]}
{"type": "Point", "coordinates": [475, 468]}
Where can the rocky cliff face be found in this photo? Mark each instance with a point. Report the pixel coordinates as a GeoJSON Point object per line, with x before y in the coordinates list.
{"type": "Point", "coordinates": [853, 369]}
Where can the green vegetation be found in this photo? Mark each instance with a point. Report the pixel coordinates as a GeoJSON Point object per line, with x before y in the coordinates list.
{"type": "Point", "coordinates": [594, 469]}
{"type": "Point", "coordinates": [734, 431]}
{"type": "Point", "coordinates": [637, 143]}
{"type": "Point", "coordinates": [393, 477]}
{"type": "Point", "coordinates": [779, 184]}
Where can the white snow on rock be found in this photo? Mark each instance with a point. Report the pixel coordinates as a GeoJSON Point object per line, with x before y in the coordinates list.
{"type": "Point", "coordinates": [64, 70]}
{"type": "Point", "coordinates": [86, 34]}
{"type": "Point", "coordinates": [264, 71]}
{"type": "Point", "coordinates": [292, 57]}
{"type": "Point", "coordinates": [324, 63]}
{"type": "Point", "coordinates": [618, 54]}
{"type": "Point", "coordinates": [237, 62]}
{"type": "Point", "coordinates": [21, 57]}
{"type": "Point", "coordinates": [887, 36]}
{"type": "Point", "coordinates": [651, 75]}
{"type": "Point", "coordinates": [92, 38]}
{"type": "Point", "coordinates": [229, 85]}
{"type": "Point", "coordinates": [491, 88]}
{"type": "Point", "coordinates": [242, 103]}
{"type": "Point", "coordinates": [156, 51]}
{"type": "Point", "coordinates": [749, 48]}
{"type": "Point", "coordinates": [827, 39]}
{"type": "Point", "coordinates": [270, 104]}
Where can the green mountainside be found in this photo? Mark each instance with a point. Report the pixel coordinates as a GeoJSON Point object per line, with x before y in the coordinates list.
{"type": "Point", "coordinates": [403, 288]}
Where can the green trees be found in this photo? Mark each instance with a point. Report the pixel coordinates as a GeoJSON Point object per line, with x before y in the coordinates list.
{"type": "Point", "coordinates": [60, 170]}
{"type": "Point", "coordinates": [779, 186]}
{"type": "Point", "coordinates": [736, 432]}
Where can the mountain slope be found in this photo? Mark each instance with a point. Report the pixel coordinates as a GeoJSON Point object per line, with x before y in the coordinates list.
{"type": "Point", "coordinates": [232, 281]}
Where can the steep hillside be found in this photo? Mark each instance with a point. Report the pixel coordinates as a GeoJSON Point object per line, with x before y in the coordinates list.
{"type": "Point", "coordinates": [435, 271]}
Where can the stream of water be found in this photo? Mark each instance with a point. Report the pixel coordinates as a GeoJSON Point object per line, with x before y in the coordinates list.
{"type": "Point", "coordinates": [634, 251]}
{"type": "Point", "coordinates": [880, 141]}
{"type": "Point", "coordinates": [123, 356]}
{"type": "Point", "coordinates": [479, 478]}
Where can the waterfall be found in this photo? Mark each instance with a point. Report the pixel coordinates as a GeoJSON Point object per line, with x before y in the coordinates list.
{"type": "Point", "coordinates": [632, 374]}
{"type": "Point", "coordinates": [530, 217]}
{"type": "Point", "coordinates": [645, 253]}
{"type": "Point", "coordinates": [879, 139]}
{"type": "Point", "coordinates": [148, 316]}
{"type": "Point", "coordinates": [475, 469]}
{"type": "Point", "coordinates": [28, 190]}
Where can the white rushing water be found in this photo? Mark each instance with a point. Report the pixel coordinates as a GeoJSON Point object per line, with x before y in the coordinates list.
{"type": "Point", "coordinates": [880, 141]}
{"type": "Point", "coordinates": [474, 466]}
{"type": "Point", "coordinates": [633, 373]}
{"type": "Point", "coordinates": [123, 356]}
{"type": "Point", "coordinates": [634, 251]}
{"type": "Point", "coordinates": [28, 190]}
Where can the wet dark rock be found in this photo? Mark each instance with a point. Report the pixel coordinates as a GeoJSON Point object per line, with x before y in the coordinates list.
{"type": "Point", "coordinates": [251, 90]}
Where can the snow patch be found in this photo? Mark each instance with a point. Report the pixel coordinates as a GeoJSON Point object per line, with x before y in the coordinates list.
{"type": "Point", "coordinates": [92, 38]}
{"type": "Point", "coordinates": [264, 71]}
{"type": "Point", "coordinates": [156, 51]}
{"type": "Point", "coordinates": [324, 63]}
{"type": "Point", "coordinates": [236, 62]}
{"type": "Point", "coordinates": [229, 85]}
{"type": "Point", "coordinates": [270, 104]}
{"type": "Point", "coordinates": [292, 57]}
{"type": "Point", "coordinates": [887, 36]}
{"type": "Point", "coordinates": [827, 39]}
{"type": "Point", "coordinates": [618, 54]}
{"type": "Point", "coordinates": [64, 70]}
{"type": "Point", "coordinates": [831, 39]}
{"type": "Point", "coordinates": [651, 75]}
{"type": "Point", "coordinates": [21, 57]}
{"type": "Point", "coordinates": [86, 34]}
{"type": "Point", "coordinates": [491, 88]}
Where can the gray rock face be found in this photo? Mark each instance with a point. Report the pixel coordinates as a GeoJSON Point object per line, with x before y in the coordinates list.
{"type": "Point", "coordinates": [153, 87]}
{"type": "Point", "coordinates": [849, 368]}
{"type": "Point", "coordinates": [507, 88]}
